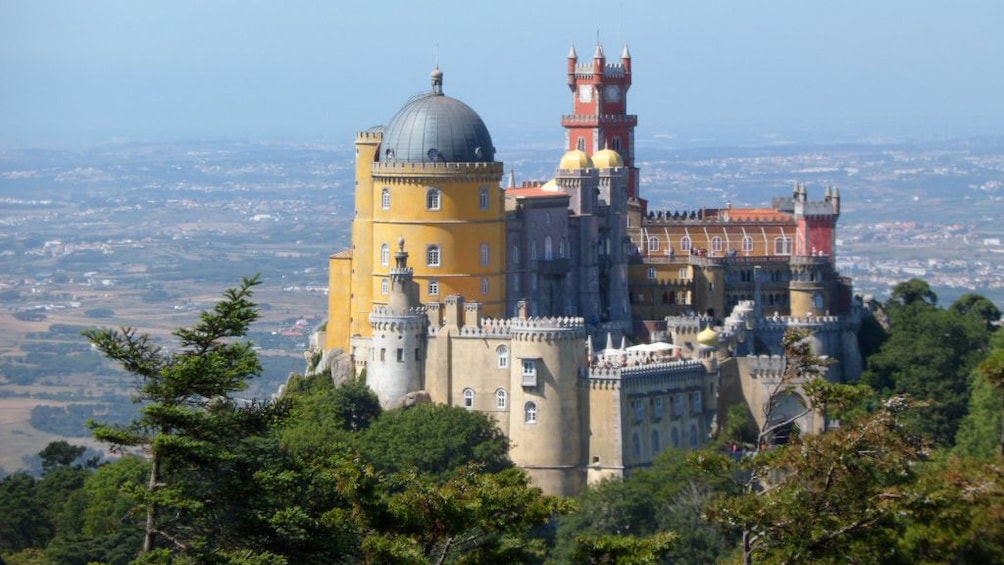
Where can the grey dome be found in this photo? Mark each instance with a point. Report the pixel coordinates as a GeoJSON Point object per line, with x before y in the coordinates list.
{"type": "Point", "coordinates": [434, 128]}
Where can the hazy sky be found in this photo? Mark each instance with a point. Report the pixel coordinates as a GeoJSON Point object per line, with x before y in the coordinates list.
{"type": "Point", "coordinates": [76, 71]}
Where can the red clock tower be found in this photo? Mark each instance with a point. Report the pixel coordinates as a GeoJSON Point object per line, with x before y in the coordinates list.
{"type": "Point", "coordinates": [599, 102]}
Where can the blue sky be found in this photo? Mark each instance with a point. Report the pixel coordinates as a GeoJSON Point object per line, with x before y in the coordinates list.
{"type": "Point", "coordinates": [82, 72]}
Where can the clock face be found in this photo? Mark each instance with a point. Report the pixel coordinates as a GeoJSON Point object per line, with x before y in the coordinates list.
{"type": "Point", "coordinates": [585, 93]}
{"type": "Point", "coordinates": [612, 93]}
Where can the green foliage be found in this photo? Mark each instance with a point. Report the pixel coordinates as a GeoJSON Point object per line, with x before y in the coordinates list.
{"type": "Point", "coordinates": [929, 355]}
{"type": "Point", "coordinates": [912, 292]}
{"type": "Point", "coordinates": [189, 423]}
{"type": "Point", "coordinates": [435, 439]}
{"type": "Point", "coordinates": [980, 430]}
{"type": "Point", "coordinates": [622, 550]}
{"type": "Point", "coordinates": [975, 305]}
{"type": "Point", "coordinates": [645, 506]}
{"type": "Point", "coordinates": [99, 313]}
{"type": "Point", "coordinates": [60, 454]}
{"type": "Point", "coordinates": [23, 520]}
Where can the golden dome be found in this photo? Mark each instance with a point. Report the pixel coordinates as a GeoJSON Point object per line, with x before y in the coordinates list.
{"type": "Point", "coordinates": [708, 337]}
{"type": "Point", "coordinates": [550, 186]}
{"type": "Point", "coordinates": [574, 160]}
{"type": "Point", "coordinates": [607, 159]}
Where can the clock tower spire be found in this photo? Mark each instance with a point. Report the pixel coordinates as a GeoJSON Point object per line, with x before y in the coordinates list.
{"type": "Point", "coordinates": [599, 118]}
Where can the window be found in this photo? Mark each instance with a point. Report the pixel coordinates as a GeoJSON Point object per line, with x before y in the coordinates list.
{"type": "Point", "coordinates": [580, 143]}
{"type": "Point", "coordinates": [658, 409]}
{"type": "Point", "coordinates": [515, 254]}
{"type": "Point", "coordinates": [651, 273]}
{"type": "Point", "coordinates": [639, 409]}
{"type": "Point", "coordinates": [503, 356]}
{"type": "Point", "coordinates": [782, 246]}
{"type": "Point", "coordinates": [529, 372]}
{"type": "Point", "coordinates": [547, 218]}
{"type": "Point", "coordinates": [483, 253]}
{"type": "Point", "coordinates": [683, 274]}
{"type": "Point", "coordinates": [697, 404]}
{"type": "Point", "coordinates": [433, 287]}
{"type": "Point", "coordinates": [747, 243]}
{"type": "Point", "coordinates": [615, 144]}
{"type": "Point", "coordinates": [653, 243]}
{"type": "Point", "coordinates": [501, 399]}
{"type": "Point", "coordinates": [468, 398]}
{"type": "Point", "coordinates": [655, 442]}
{"type": "Point", "coordinates": [384, 286]}
{"type": "Point", "coordinates": [530, 412]}
{"type": "Point", "coordinates": [432, 255]}
{"type": "Point", "coordinates": [400, 355]}
{"type": "Point", "coordinates": [385, 255]}
{"type": "Point", "coordinates": [716, 243]}
{"type": "Point", "coordinates": [548, 248]}
{"type": "Point", "coordinates": [685, 243]}
{"type": "Point", "coordinates": [533, 250]}
{"type": "Point", "coordinates": [635, 446]}
{"type": "Point", "coordinates": [563, 248]}
{"type": "Point", "coordinates": [385, 199]}
{"type": "Point", "coordinates": [817, 301]}
{"type": "Point", "coordinates": [432, 199]}
{"type": "Point", "coordinates": [484, 286]}
{"type": "Point", "coordinates": [677, 405]}
{"type": "Point", "coordinates": [483, 198]}
{"type": "Point", "coordinates": [515, 283]}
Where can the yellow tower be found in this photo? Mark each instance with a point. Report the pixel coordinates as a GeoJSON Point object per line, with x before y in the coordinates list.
{"type": "Point", "coordinates": [430, 177]}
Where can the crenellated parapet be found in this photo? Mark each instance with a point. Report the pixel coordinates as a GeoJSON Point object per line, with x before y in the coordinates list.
{"type": "Point", "coordinates": [614, 376]}
{"type": "Point", "coordinates": [399, 172]}
{"type": "Point", "coordinates": [489, 328]}
{"type": "Point", "coordinates": [548, 328]}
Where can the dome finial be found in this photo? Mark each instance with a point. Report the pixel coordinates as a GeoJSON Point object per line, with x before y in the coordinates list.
{"type": "Point", "coordinates": [437, 81]}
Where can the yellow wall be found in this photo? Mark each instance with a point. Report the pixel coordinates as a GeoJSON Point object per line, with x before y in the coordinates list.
{"type": "Point", "coordinates": [339, 290]}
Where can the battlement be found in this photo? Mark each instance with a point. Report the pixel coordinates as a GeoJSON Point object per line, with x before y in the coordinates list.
{"type": "Point", "coordinates": [590, 119]}
{"type": "Point", "coordinates": [814, 323]}
{"type": "Point", "coordinates": [667, 369]}
{"type": "Point", "coordinates": [382, 311]}
{"type": "Point", "coordinates": [477, 171]}
{"type": "Point", "coordinates": [370, 135]}
{"type": "Point", "coordinates": [688, 324]}
{"type": "Point", "coordinates": [709, 216]}
{"type": "Point", "coordinates": [585, 70]}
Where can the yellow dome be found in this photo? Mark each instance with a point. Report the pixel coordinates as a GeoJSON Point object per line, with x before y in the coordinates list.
{"type": "Point", "coordinates": [575, 159]}
{"type": "Point", "coordinates": [708, 337]}
{"type": "Point", "coordinates": [607, 159]}
{"type": "Point", "coordinates": [550, 186]}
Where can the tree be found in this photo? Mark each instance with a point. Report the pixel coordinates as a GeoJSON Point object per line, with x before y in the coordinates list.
{"type": "Point", "coordinates": [60, 454]}
{"type": "Point", "coordinates": [913, 291]}
{"type": "Point", "coordinates": [189, 422]}
{"type": "Point", "coordinates": [930, 355]}
{"type": "Point", "coordinates": [435, 439]}
{"type": "Point", "coordinates": [970, 304]}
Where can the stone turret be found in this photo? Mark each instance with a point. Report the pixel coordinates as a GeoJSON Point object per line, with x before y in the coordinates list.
{"type": "Point", "coordinates": [397, 356]}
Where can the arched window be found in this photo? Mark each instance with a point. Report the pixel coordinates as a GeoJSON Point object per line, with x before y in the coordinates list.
{"type": "Point", "coordinates": [483, 254]}
{"type": "Point", "coordinates": [515, 254]}
{"type": "Point", "coordinates": [432, 256]}
{"type": "Point", "coordinates": [468, 398]}
{"type": "Point", "coordinates": [653, 243]}
{"type": "Point", "coordinates": [655, 442]}
{"type": "Point", "coordinates": [685, 243]}
{"type": "Point", "coordinates": [580, 143]}
{"type": "Point", "coordinates": [716, 243]}
{"type": "Point", "coordinates": [432, 199]}
{"type": "Point", "coordinates": [563, 248]}
{"type": "Point", "coordinates": [502, 352]}
{"type": "Point", "coordinates": [515, 283]}
{"type": "Point", "coordinates": [385, 255]}
{"type": "Point", "coordinates": [782, 246]}
{"type": "Point", "coordinates": [384, 286]}
{"type": "Point", "coordinates": [548, 248]}
{"type": "Point", "coordinates": [483, 198]}
{"type": "Point", "coordinates": [615, 144]}
{"type": "Point", "coordinates": [817, 301]}
{"type": "Point", "coordinates": [501, 399]}
{"type": "Point", "coordinates": [484, 286]}
{"type": "Point", "coordinates": [530, 412]}
{"type": "Point", "coordinates": [747, 243]}
{"type": "Point", "coordinates": [385, 199]}
{"type": "Point", "coordinates": [533, 250]}
{"type": "Point", "coordinates": [433, 287]}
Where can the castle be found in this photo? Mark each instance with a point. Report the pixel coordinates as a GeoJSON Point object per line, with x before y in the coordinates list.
{"type": "Point", "coordinates": [520, 301]}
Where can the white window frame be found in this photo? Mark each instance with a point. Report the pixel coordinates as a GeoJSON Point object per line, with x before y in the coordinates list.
{"type": "Point", "coordinates": [501, 399]}
{"type": "Point", "coordinates": [433, 256]}
{"type": "Point", "coordinates": [484, 254]}
{"type": "Point", "coordinates": [502, 353]}
{"type": "Point", "coordinates": [385, 199]}
{"type": "Point", "coordinates": [468, 398]}
{"type": "Point", "coordinates": [433, 287]}
{"type": "Point", "coordinates": [530, 412]}
{"type": "Point", "coordinates": [686, 243]}
{"type": "Point", "coordinates": [385, 254]}
{"type": "Point", "coordinates": [433, 199]}
{"type": "Point", "coordinates": [483, 201]}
